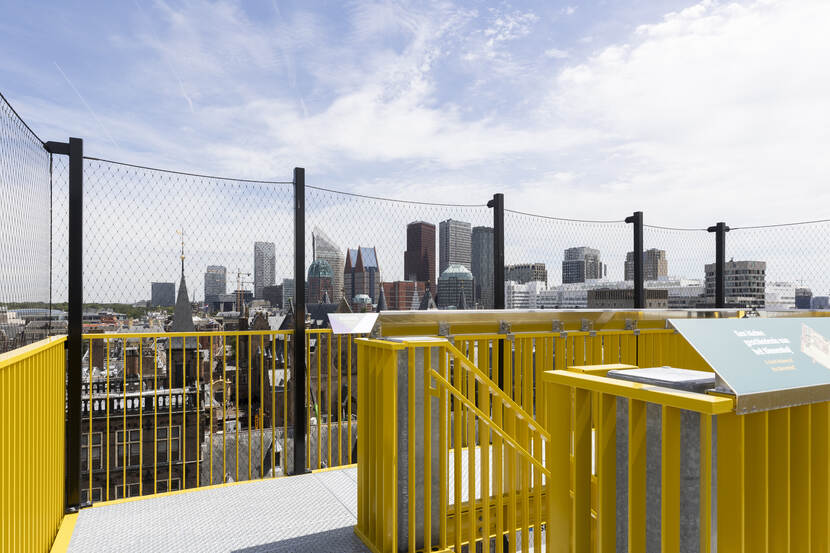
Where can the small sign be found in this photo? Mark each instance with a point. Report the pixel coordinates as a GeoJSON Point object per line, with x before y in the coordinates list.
{"type": "Point", "coordinates": [352, 323]}
{"type": "Point", "coordinates": [767, 363]}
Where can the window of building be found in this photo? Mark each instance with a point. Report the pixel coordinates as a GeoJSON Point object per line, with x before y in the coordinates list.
{"type": "Point", "coordinates": [175, 484]}
{"type": "Point", "coordinates": [131, 489]}
{"type": "Point", "coordinates": [132, 438]}
{"type": "Point", "coordinates": [161, 443]}
{"type": "Point", "coordinates": [97, 457]}
{"type": "Point", "coordinates": [96, 495]}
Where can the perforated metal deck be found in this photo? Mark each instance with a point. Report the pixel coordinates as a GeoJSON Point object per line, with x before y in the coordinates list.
{"type": "Point", "coordinates": [313, 513]}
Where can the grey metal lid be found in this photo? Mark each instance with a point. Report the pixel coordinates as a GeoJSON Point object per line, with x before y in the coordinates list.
{"type": "Point", "coordinates": [668, 377]}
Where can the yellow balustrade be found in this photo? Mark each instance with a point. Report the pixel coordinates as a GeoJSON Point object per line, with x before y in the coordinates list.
{"type": "Point", "coordinates": [32, 435]}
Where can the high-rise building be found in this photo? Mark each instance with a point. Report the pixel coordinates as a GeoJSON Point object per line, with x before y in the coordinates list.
{"type": "Point", "coordinates": [581, 264]}
{"type": "Point", "coordinates": [361, 274]}
{"type": "Point", "coordinates": [455, 280]}
{"type": "Point", "coordinates": [655, 265]}
{"type": "Point", "coordinates": [288, 291]}
{"type": "Point", "coordinates": [162, 294]}
{"type": "Point", "coordinates": [455, 246]}
{"type": "Point", "coordinates": [803, 297]}
{"type": "Point", "coordinates": [325, 248]}
{"type": "Point", "coordinates": [526, 272]}
{"type": "Point", "coordinates": [744, 283]}
{"type": "Point", "coordinates": [403, 295]}
{"type": "Point", "coordinates": [419, 258]}
{"type": "Point", "coordinates": [522, 295]}
{"type": "Point", "coordinates": [319, 281]}
{"type": "Point", "coordinates": [482, 266]}
{"type": "Point", "coordinates": [215, 283]}
{"type": "Point", "coordinates": [265, 266]}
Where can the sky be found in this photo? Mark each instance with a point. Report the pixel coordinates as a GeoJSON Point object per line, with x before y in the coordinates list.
{"type": "Point", "coordinates": [692, 112]}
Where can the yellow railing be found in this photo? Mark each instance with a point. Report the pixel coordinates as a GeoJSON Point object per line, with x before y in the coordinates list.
{"type": "Point", "coordinates": [771, 469]}
{"type": "Point", "coordinates": [453, 406]}
{"type": "Point", "coordinates": [177, 410]}
{"type": "Point", "coordinates": [32, 399]}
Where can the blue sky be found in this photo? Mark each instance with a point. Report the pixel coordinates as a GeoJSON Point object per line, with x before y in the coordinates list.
{"type": "Point", "coordinates": [690, 111]}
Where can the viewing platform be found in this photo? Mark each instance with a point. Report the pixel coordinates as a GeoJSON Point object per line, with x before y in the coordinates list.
{"type": "Point", "coordinates": [313, 513]}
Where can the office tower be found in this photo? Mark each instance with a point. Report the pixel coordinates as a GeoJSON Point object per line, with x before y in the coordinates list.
{"type": "Point", "coordinates": [419, 258]}
{"type": "Point", "coordinates": [215, 283]}
{"type": "Point", "coordinates": [319, 281]}
{"type": "Point", "coordinates": [265, 266]}
{"type": "Point", "coordinates": [162, 294]}
{"type": "Point", "coordinates": [453, 282]}
{"type": "Point", "coordinates": [325, 248]}
{"type": "Point", "coordinates": [655, 265]}
{"type": "Point", "coordinates": [361, 274]}
{"type": "Point", "coordinates": [482, 261]}
{"type": "Point", "coordinates": [287, 291]}
{"type": "Point", "coordinates": [581, 264]}
{"type": "Point", "coordinates": [526, 272]}
{"type": "Point", "coordinates": [803, 297]}
{"type": "Point", "coordinates": [744, 283]}
{"type": "Point", "coordinates": [455, 248]}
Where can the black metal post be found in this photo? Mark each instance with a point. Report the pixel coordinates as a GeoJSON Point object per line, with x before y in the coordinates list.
{"type": "Point", "coordinates": [639, 288]}
{"type": "Point", "coordinates": [720, 231]}
{"type": "Point", "coordinates": [75, 289]}
{"type": "Point", "coordinates": [298, 375]}
{"type": "Point", "coordinates": [497, 203]}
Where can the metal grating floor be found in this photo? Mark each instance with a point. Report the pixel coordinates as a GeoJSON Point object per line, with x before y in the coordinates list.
{"type": "Point", "coordinates": [313, 513]}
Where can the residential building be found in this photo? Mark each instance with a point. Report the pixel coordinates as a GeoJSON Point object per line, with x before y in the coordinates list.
{"type": "Point", "coordinates": [265, 266]}
{"type": "Point", "coordinates": [273, 295]}
{"type": "Point", "coordinates": [744, 283]}
{"type": "Point", "coordinates": [526, 272]}
{"type": "Point", "coordinates": [779, 296]}
{"type": "Point", "coordinates": [419, 257]}
{"type": "Point", "coordinates": [482, 262]}
{"type": "Point", "coordinates": [215, 283]}
{"type": "Point", "coordinates": [623, 298]}
{"type": "Point", "coordinates": [162, 294]}
{"type": "Point", "coordinates": [655, 265]}
{"type": "Point", "coordinates": [454, 239]}
{"type": "Point", "coordinates": [803, 297]}
{"type": "Point", "coordinates": [319, 281]}
{"type": "Point", "coordinates": [453, 282]}
{"type": "Point", "coordinates": [325, 248]}
{"type": "Point", "coordinates": [361, 274]}
{"type": "Point", "coordinates": [403, 295]}
{"type": "Point", "coordinates": [581, 264]}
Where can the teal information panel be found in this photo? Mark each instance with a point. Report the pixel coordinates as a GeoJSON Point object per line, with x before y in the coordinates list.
{"type": "Point", "coordinates": [768, 363]}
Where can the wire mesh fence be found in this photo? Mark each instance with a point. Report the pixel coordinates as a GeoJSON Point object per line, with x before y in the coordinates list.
{"type": "Point", "coordinates": [145, 229]}
{"type": "Point", "coordinates": [25, 211]}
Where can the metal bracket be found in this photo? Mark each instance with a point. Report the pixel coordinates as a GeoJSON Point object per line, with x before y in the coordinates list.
{"type": "Point", "coordinates": [443, 329]}
{"type": "Point", "coordinates": [59, 148]}
{"type": "Point", "coordinates": [504, 327]}
{"type": "Point", "coordinates": [557, 326]}
{"type": "Point", "coordinates": [631, 324]}
{"type": "Point", "coordinates": [587, 325]}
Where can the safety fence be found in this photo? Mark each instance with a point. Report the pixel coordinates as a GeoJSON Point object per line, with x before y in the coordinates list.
{"type": "Point", "coordinates": [170, 411]}
{"type": "Point", "coordinates": [32, 392]}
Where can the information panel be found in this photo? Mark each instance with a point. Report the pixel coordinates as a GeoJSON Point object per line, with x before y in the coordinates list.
{"type": "Point", "coordinates": [768, 363]}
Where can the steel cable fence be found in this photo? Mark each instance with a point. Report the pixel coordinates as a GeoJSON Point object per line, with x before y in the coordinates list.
{"type": "Point", "coordinates": [25, 212]}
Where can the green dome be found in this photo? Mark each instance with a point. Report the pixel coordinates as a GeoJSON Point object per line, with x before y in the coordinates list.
{"type": "Point", "coordinates": [320, 268]}
{"type": "Point", "coordinates": [456, 271]}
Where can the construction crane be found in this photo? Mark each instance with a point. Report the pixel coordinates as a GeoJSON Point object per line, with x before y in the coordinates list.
{"type": "Point", "coordinates": [240, 282]}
